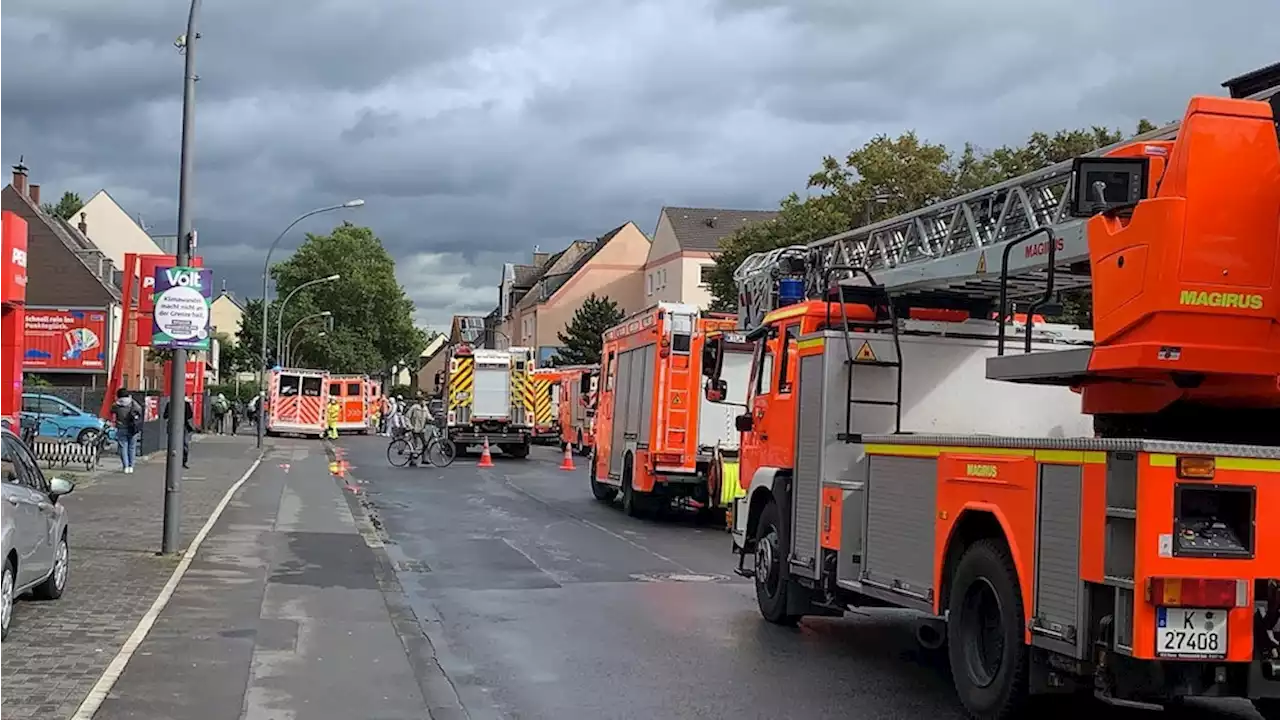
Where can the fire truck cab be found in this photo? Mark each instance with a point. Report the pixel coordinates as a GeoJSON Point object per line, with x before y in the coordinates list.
{"type": "Point", "coordinates": [1068, 511]}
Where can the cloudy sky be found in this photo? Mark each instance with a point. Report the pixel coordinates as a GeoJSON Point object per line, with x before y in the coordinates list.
{"type": "Point", "coordinates": [476, 130]}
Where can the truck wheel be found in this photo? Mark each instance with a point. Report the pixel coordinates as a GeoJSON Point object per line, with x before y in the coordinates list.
{"type": "Point", "coordinates": [603, 493]}
{"type": "Point", "coordinates": [771, 575]}
{"type": "Point", "coordinates": [984, 633]}
{"type": "Point", "coordinates": [516, 451]}
{"type": "Point", "coordinates": [631, 505]}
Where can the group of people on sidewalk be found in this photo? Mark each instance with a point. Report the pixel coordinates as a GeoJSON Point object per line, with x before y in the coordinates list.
{"type": "Point", "coordinates": [127, 417]}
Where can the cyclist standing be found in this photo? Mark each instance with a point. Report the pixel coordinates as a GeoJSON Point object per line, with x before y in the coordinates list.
{"type": "Point", "coordinates": [418, 417]}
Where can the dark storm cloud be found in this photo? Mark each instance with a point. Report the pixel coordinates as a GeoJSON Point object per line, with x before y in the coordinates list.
{"type": "Point", "coordinates": [478, 130]}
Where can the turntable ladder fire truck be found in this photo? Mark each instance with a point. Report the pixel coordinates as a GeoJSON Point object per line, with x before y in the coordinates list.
{"type": "Point", "coordinates": [1071, 512]}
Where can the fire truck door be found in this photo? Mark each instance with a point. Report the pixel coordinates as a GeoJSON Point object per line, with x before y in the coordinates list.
{"type": "Point", "coordinates": [761, 379]}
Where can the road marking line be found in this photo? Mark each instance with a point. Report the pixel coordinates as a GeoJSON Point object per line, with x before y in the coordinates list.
{"type": "Point", "coordinates": [589, 523]}
{"type": "Point", "coordinates": [116, 668]}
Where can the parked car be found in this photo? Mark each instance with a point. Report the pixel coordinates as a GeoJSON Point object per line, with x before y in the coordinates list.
{"type": "Point", "coordinates": [33, 526]}
{"type": "Point", "coordinates": [54, 416]}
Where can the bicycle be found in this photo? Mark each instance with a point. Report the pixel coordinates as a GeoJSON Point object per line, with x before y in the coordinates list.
{"type": "Point", "coordinates": [439, 451]}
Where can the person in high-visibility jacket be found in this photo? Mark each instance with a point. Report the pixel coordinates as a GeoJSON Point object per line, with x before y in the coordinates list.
{"type": "Point", "coordinates": [332, 414]}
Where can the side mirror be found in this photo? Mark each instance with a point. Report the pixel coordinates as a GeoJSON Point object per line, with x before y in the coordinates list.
{"type": "Point", "coordinates": [1103, 184]}
{"type": "Point", "coordinates": [744, 422]}
{"type": "Point", "coordinates": [716, 391]}
{"type": "Point", "coordinates": [68, 412]}
{"type": "Point", "coordinates": [60, 486]}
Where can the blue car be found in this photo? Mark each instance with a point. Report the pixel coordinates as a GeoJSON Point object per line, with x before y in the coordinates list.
{"type": "Point", "coordinates": [53, 416]}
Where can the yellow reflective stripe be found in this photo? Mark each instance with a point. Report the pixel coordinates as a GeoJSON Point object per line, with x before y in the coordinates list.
{"type": "Point", "coordinates": [461, 381]}
{"type": "Point", "coordinates": [1071, 457]}
{"type": "Point", "coordinates": [811, 343]}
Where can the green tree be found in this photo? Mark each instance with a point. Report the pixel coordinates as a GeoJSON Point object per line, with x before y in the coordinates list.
{"type": "Point", "coordinates": [583, 336]}
{"type": "Point", "coordinates": [890, 176]}
{"type": "Point", "coordinates": [372, 326]}
{"type": "Point", "coordinates": [66, 207]}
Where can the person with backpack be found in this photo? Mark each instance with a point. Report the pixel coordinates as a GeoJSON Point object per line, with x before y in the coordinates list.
{"type": "Point", "coordinates": [126, 413]}
{"type": "Point", "coordinates": [220, 409]}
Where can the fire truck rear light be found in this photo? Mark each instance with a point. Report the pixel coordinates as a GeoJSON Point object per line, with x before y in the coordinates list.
{"type": "Point", "coordinates": [1197, 592]}
{"type": "Point", "coordinates": [668, 458]}
{"type": "Point", "coordinates": [1195, 468]}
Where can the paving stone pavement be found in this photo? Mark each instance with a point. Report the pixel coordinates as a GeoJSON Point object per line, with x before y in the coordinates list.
{"type": "Point", "coordinates": [57, 650]}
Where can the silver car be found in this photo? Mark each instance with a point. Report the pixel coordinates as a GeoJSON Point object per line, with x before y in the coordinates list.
{"type": "Point", "coordinates": [36, 555]}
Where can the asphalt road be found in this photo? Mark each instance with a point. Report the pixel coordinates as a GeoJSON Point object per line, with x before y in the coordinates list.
{"type": "Point", "coordinates": [542, 603]}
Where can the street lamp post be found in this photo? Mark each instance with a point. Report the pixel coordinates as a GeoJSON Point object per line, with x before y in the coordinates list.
{"type": "Point", "coordinates": [266, 272]}
{"type": "Point", "coordinates": [285, 304]}
{"type": "Point", "coordinates": [288, 337]}
{"type": "Point", "coordinates": [170, 535]}
{"type": "Point", "coordinates": [294, 349]}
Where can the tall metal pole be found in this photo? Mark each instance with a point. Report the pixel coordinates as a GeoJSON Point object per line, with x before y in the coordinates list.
{"type": "Point", "coordinates": [172, 532]}
{"type": "Point", "coordinates": [266, 274]}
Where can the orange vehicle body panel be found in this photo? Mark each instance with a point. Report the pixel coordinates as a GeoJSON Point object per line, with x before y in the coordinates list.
{"type": "Point", "coordinates": [352, 392]}
{"type": "Point", "coordinates": [676, 386]}
{"type": "Point", "coordinates": [1193, 269]}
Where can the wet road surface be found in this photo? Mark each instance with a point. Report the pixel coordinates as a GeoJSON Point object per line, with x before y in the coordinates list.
{"type": "Point", "coordinates": [542, 603]}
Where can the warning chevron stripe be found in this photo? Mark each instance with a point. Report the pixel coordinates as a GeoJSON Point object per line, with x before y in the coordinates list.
{"type": "Point", "coordinates": [461, 381]}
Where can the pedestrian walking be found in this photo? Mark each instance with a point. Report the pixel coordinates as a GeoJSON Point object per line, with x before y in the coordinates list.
{"type": "Point", "coordinates": [332, 414]}
{"type": "Point", "coordinates": [220, 410]}
{"type": "Point", "coordinates": [188, 426]}
{"type": "Point", "coordinates": [126, 414]}
{"type": "Point", "coordinates": [237, 415]}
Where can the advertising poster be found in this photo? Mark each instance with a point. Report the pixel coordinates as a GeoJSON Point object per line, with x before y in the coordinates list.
{"type": "Point", "coordinates": [180, 315]}
{"type": "Point", "coordinates": [194, 386]}
{"type": "Point", "coordinates": [65, 339]}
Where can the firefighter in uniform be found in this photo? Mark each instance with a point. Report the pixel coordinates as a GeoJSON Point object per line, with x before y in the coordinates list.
{"type": "Point", "coordinates": [332, 413]}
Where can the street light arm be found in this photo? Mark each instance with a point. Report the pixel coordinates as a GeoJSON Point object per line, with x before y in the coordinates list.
{"type": "Point", "coordinates": [288, 337]}
{"type": "Point", "coordinates": [283, 305]}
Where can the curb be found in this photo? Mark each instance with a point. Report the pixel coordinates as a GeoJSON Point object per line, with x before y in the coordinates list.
{"type": "Point", "coordinates": [438, 690]}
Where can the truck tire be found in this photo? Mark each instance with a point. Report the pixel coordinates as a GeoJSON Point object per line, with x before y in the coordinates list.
{"type": "Point", "coordinates": [633, 503]}
{"type": "Point", "coordinates": [516, 451]}
{"type": "Point", "coordinates": [772, 579]}
{"type": "Point", "coordinates": [604, 493]}
{"type": "Point", "coordinates": [985, 647]}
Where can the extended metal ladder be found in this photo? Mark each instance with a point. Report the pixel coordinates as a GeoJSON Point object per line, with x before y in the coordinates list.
{"type": "Point", "coordinates": [950, 252]}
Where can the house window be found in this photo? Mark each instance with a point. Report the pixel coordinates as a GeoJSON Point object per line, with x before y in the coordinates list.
{"type": "Point", "coordinates": [648, 284]}
{"type": "Point", "coordinates": [704, 274]}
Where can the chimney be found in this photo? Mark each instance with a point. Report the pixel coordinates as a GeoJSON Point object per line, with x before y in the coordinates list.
{"type": "Point", "coordinates": [34, 193]}
{"type": "Point", "coordinates": [20, 177]}
{"type": "Point", "coordinates": [83, 225]}
{"type": "Point", "coordinates": [540, 258]}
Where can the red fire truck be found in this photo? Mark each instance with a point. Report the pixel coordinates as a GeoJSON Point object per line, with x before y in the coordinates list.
{"type": "Point", "coordinates": [353, 393]}
{"type": "Point", "coordinates": [1130, 551]}
{"type": "Point", "coordinates": [577, 406]}
{"type": "Point", "coordinates": [656, 438]}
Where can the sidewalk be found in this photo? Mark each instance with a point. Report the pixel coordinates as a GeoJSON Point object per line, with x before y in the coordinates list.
{"type": "Point", "coordinates": [56, 651]}
{"type": "Point", "coordinates": [281, 616]}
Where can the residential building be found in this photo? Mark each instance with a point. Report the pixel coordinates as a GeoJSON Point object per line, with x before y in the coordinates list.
{"type": "Point", "coordinates": [113, 231]}
{"type": "Point", "coordinates": [226, 315]}
{"type": "Point", "coordinates": [685, 245]}
{"type": "Point", "coordinates": [611, 266]}
{"type": "Point", "coordinates": [74, 310]}
{"type": "Point", "coordinates": [434, 362]}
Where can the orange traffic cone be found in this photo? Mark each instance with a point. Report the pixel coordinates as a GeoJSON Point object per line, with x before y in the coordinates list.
{"type": "Point", "coordinates": [486, 460]}
{"type": "Point", "coordinates": [567, 463]}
